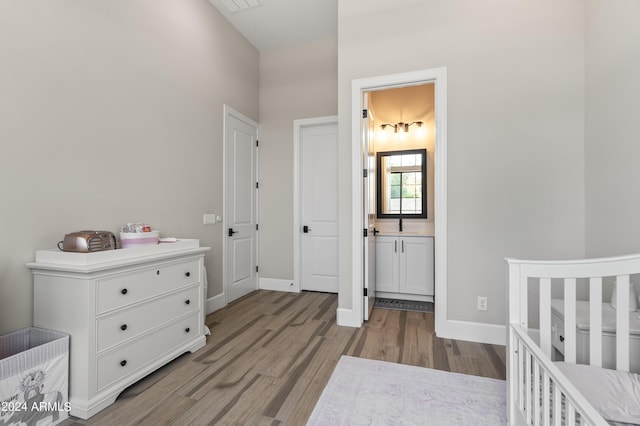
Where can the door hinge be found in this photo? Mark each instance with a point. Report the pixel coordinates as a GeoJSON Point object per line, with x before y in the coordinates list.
{"type": "Point", "coordinates": [366, 232]}
{"type": "Point", "coordinates": [257, 185]}
{"type": "Point", "coordinates": [364, 113]}
{"type": "Point", "coordinates": [366, 292]}
{"type": "Point", "coordinates": [256, 226]}
{"type": "Point", "coordinates": [365, 173]}
{"type": "Point", "coordinates": [257, 268]}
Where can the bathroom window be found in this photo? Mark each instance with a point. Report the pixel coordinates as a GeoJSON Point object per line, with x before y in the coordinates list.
{"type": "Point", "coordinates": [401, 184]}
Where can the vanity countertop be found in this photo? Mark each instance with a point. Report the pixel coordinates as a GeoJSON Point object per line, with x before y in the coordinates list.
{"type": "Point", "coordinates": [405, 234]}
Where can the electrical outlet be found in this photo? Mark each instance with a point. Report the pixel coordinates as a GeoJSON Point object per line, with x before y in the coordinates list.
{"type": "Point", "coordinates": [208, 219]}
{"type": "Point", "coordinates": [482, 303]}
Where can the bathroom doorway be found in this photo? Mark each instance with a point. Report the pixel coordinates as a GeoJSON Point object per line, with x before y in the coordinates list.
{"type": "Point", "coordinates": [402, 148]}
{"type": "Point", "coordinates": [401, 126]}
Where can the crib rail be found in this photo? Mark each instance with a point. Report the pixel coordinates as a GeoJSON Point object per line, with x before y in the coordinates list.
{"type": "Point", "coordinates": [539, 394]}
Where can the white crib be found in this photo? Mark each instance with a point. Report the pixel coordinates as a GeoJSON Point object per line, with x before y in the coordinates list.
{"type": "Point", "coordinates": [538, 391]}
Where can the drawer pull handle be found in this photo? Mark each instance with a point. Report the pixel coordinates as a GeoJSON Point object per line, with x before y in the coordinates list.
{"type": "Point", "coordinates": [562, 338]}
{"type": "Point", "coordinates": [158, 272]}
{"type": "Point", "coordinates": [123, 327]}
{"type": "Point", "coordinates": [123, 362]}
{"type": "Point", "coordinates": [186, 330]}
{"type": "Point", "coordinates": [186, 302]}
{"type": "Point", "coordinates": [188, 274]}
{"type": "Point", "coordinates": [124, 291]}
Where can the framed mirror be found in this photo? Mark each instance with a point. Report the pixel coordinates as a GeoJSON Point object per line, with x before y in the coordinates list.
{"type": "Point", "coordinates": [401, 184]}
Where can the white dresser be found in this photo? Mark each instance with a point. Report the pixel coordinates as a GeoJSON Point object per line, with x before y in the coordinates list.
{"type": "Point", "coordinates": [127, 311]}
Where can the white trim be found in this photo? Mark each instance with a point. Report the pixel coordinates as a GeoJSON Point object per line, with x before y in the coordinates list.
{"type": "Point", "coordinates": [276, 284]}
{"type": "Point", "coordinates": [346, 318]}
{"type": "Point", "coordinates": [358, 86]}
{"type": "Point", "coordinates": [298, 126]}
{"type": "Point", "coordinates": [215, 303]}
{"type": "Point", "coordinates": [479, 332]}
{"type": "Point", "coordinates": [226, 113]}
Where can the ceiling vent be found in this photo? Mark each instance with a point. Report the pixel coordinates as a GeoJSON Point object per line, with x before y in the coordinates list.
{"type": "Point", "coordinates": [234, 6]}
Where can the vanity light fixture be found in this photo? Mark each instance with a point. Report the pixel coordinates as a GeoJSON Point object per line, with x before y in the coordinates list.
{"type": "Point", "coordinates": [384, 126]}
{"type": "Point", "coordinates": [402, 127]}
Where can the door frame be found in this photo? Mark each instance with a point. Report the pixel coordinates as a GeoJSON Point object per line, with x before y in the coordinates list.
{"type": "Point", "coordinates": [298, 127]}
{"type": "Point", "coordinates": [228, 112]}
{"type": "Point", "coordinates": [358, 86]}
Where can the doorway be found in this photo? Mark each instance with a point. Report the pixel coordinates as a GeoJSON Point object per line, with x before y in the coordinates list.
{"type": "Point", "coordinates": [437, 76]}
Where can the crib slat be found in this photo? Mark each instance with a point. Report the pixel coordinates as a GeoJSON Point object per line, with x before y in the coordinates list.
{"type": "Point", "coordinates": [546, 399]}
{"type": "Point", "coordinates": [545, 316]}
{"type": "Point", "coordinates": [527, 390]}
{"type": "Point", "coordinates": [622, 322]}
{"type": "Point", "coordinates": [570, 320]}
{"type": "Point", "coordinates": [570, 412]}
{"type": "Point", "coordinates": [595, 321]}
{"type": "Point", "coordinates": [557, 405]}
{"type": "Point", "coordinates": [524, 307]}
{"type": "Point", "coordinates": [536, 393]}
{"type": "Point", "coordinates": [520, 375]}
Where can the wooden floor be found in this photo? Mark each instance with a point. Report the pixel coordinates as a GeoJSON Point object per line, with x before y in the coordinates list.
{"type": "Point", "coordinates": [270, 356]}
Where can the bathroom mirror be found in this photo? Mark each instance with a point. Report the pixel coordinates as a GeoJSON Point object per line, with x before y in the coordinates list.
{"type": "Point", "coordinates": [401, 184]}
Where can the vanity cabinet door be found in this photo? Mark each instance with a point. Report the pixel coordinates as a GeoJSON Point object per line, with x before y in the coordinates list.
{"type": "Point", "coordinates": [387, 264]}
{"type": "Point", "coordinates": [416, 265]}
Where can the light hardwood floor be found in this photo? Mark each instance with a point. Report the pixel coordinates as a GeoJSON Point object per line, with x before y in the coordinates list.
{"type": "Point", "coordinates": [270, 356]}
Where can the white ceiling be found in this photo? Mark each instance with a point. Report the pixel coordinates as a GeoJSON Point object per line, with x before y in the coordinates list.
{"type": "Point", "coordinates": [274, 24]}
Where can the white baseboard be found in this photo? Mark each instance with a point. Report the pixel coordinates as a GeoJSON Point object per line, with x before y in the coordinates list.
{"type": "Point", "coordinates": [216, 302]}
{"type": "Point", "coordinates": [347, 318]}
{"type": "Point", "coordinates": [276, 284]}
{"type": "Point", "coordinates": [474, 332]}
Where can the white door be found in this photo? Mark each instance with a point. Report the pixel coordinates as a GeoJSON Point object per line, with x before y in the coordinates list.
{"type": "Point", "coordinates": [369, 211]}
{"type": "Point", "coordinates": [241, 135]}
{"type": "Point", "coordinates": [319, 208]}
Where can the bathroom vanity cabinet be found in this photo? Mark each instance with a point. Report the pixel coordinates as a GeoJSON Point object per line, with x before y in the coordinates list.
{"type": "Point", "coordinates": [404, 267]}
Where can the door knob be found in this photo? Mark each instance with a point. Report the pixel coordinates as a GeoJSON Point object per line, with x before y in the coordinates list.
{"type": "Point", "coordinates": [306, 229]}
{"type": "Point", "coordinates": [231, 232]}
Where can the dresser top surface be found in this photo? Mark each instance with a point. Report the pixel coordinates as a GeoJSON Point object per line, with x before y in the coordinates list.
{"type": "Point", "coordinates": [86, 262]}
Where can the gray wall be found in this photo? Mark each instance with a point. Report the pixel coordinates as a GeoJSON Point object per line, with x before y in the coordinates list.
{"type": "Point", "coordinates": [296, 82]}
{"type": "Point", "coordinates": [111, 112]}
{"type": "Point", "coordinates": [515, 128]}
{"type": "Point", "coordinates": [613, 134]}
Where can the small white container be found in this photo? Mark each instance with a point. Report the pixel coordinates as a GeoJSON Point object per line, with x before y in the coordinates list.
{"type": "Point", "coordinates": [136, 239]}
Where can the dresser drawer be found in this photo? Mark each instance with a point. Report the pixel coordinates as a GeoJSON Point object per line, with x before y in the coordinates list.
{"type": "Point", "coordinates": [115, 329]}
{"type": "Point", "coordinates": [116, 364]}
{"type": "Point", "coordinates": [121, 290]}
{"type": "Point", "coordinates": [557, 333]}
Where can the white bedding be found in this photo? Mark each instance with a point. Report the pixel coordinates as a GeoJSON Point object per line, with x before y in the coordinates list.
{"type": "Point", "coordinates": [615, 394]}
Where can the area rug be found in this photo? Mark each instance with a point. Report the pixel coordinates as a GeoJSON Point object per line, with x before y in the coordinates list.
{"type": "Point", "coordinates": [403, 305]}
{"type": "Point", "coordinates": [367, 392]}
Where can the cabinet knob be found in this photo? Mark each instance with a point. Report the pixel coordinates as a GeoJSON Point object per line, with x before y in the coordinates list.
{"type": "Point", "coordinates": [186, 330]}
{"type": "Point", "coordinates": [562, 338]}
{"type": "Point", "coordinates": [123, 362]}
{"type": "Point", "coordinates": [124, 291]}
{"type": "Point", "coordinates": [188, 274]}
{"type": "Point", "coordinates": [123, 327]}
{"type": "Point", "coordinates": [186, 302]}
